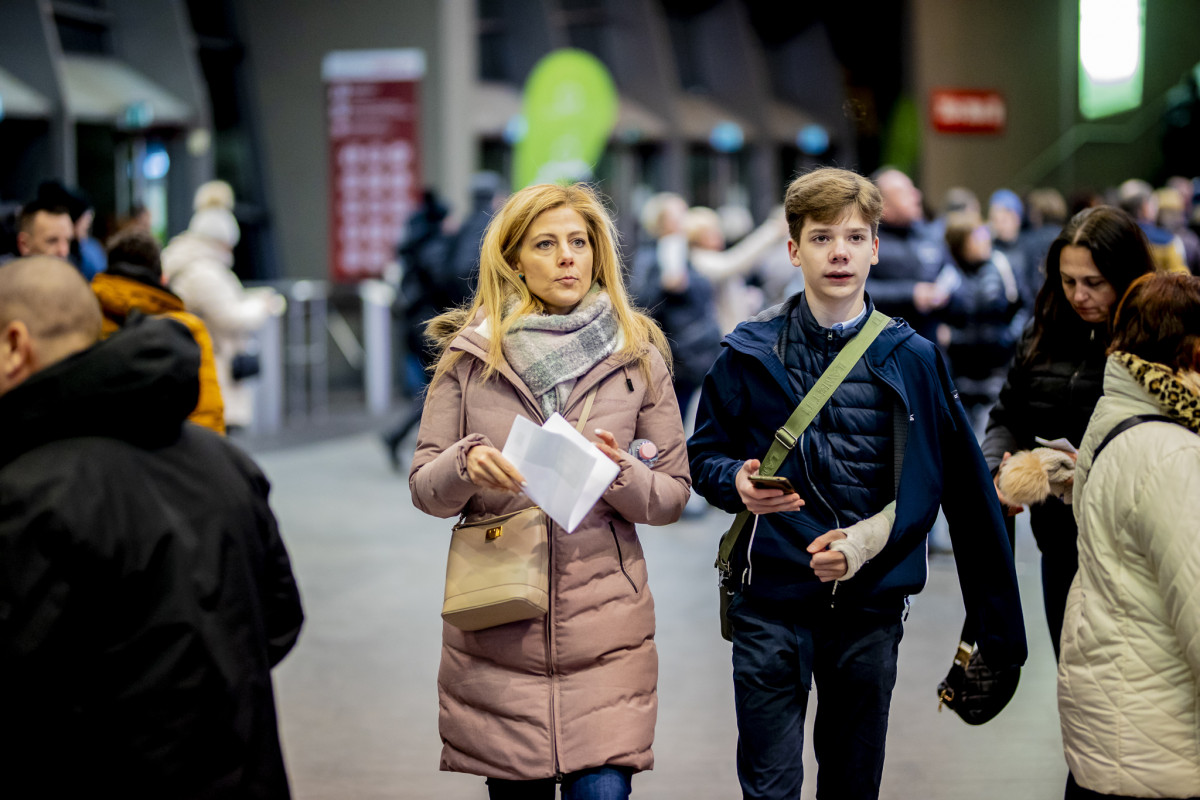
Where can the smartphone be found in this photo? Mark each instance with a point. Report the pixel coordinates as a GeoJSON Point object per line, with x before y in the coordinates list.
{"type": "Point", "coordinates": [772, 482]}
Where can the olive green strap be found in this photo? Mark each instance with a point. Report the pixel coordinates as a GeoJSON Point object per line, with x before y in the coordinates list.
{"type": "Point", "coordinates": [787, 436]}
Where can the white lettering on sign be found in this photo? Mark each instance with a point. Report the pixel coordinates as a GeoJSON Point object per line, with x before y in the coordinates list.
{"type": "Point", "coordinates": [968, 111]}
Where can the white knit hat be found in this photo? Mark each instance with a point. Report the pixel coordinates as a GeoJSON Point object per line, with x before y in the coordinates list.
{"type": "Point", "coordinates": [216, 224]}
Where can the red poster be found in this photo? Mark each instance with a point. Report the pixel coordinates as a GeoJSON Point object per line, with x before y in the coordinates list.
{"type": "Point", "coordinates": [967, 111]}
{"type": "Point", "coordinates": [374, 156]}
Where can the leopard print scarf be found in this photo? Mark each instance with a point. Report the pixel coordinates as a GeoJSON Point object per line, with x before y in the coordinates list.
{"type": "Point", "coordinates": [1178, 393]}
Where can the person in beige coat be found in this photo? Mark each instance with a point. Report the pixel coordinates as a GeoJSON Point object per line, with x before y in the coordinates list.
{"type": "Point", "coordinates": [1129, 673]}
{"type": "Point", "coordinates": [569, 697]}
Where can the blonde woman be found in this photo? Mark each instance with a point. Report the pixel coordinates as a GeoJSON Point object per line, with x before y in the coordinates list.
{"type": "Point", "coordinates": [569, 697]}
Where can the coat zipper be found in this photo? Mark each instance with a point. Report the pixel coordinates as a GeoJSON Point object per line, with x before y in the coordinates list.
{"type": "Point", "coordinates": [621, 558]}
{"type": "Point", "coordinates": [550, 656]}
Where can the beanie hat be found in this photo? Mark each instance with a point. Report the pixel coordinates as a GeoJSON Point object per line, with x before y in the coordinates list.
{"type": "Point", "coordinates": [213, 194]}
{"type": "Point", "coordinates": [214, 218]}
{"type": "Point", "coordinates": [1007, 198]}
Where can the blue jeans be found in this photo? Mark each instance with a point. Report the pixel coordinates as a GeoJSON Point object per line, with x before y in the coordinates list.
{"type": "Point", "coordinates": [851, 655]}
{"type": "Point", "coordinates": [602, 783]}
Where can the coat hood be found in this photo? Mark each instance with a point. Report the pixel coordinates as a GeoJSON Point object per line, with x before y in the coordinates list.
{"type": "Point", "coordinates": [187, 248]}
{"type": "Point", "coordinates": [137, 386]}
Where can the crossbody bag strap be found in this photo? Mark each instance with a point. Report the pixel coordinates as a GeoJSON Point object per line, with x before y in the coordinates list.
{"type": "Point", "coordinates": [1125, 425]}
{"type": "Point", "coordinates": [587, 409]}
{"type": "Point", "coordinates": [788, 435]}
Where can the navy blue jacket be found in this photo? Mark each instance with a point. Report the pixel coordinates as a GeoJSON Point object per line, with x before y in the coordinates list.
{"type": "Point", "coordinates": [747, 396]}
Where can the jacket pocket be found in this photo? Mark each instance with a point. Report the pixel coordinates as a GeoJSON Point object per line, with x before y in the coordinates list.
{"type": "Point", "coordinates": [621, 556]}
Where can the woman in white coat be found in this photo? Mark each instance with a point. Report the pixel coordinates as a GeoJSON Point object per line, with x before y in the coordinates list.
{"type": "Point", "coordinates": [198, 267]}
{"type": "Point", "coordinates": [1129, 673]}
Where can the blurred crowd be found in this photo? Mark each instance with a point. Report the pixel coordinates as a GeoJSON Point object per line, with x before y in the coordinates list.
{"type": "Point", "coordinates": [965, 273]}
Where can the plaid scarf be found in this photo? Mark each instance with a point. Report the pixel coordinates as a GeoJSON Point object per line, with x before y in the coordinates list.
{"type": "Point", "coordinates": [1178, 393]}
{"type": "Point", "coordinates": [551, 351]}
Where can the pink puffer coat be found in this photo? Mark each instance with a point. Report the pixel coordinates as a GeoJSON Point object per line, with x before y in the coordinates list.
{"type": "Point", "coordinates": [576, 689]}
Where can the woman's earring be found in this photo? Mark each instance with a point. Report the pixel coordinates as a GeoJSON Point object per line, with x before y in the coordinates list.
{"type": "Point", "coordinates": [521, 275]}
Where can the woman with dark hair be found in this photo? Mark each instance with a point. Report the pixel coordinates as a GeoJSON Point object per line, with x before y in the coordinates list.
{"type": "Point", "coordinates": [1130, 668]}
{"type": "Point", "coordinates": [1056, 374]}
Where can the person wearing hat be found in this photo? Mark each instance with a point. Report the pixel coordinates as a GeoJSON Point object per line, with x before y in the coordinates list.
{"type": "Point", "coordinates": [198, 267]}
{"type": "Point", "coordinates": [1006, 213]}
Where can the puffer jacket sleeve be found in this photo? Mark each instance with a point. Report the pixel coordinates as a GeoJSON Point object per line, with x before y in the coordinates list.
{"type": "Point", "coordinates": [982, 551]}
{"type": "Point", "coordinates": [1167, 535]}
{"type": "Point", "coordinates": [711, 448]}
{"type": "Point", "coordinates": [654, 496]}
{"type": "Point", "coordinates": [438, 480]}
{"type": "Point", "coordinates": [1002, 425]}
{"type": "Point", "coordinates": [215, 295]}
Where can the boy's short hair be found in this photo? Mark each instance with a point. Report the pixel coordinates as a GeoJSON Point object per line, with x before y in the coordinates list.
{"type": "Point", "coordinates": [826, 194]}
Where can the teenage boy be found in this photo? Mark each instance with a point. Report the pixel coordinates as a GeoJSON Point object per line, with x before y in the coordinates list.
{"type": "Point", "coordinates": [893, 430]}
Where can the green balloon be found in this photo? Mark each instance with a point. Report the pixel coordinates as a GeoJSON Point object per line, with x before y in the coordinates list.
{"type": "Point", "coordinates": [570, 108]}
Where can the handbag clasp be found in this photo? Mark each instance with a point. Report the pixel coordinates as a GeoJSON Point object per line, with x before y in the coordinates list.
{"type": "Point", "coordinates": [494, 533]}
{"type": "Point", "coordinates": [963, 656]}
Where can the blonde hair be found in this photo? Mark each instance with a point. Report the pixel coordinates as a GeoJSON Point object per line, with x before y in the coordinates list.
{"type": "Point", "coordinates": [499, 285]}
{"type": "Point", "coordinates": [701, 220]}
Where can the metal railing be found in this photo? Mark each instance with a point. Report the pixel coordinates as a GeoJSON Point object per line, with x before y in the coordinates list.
{"type": "Point", "coordinates": [294, 353]}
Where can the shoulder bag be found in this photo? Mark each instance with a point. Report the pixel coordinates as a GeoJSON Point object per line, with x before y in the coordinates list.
{"type": "Point", "coordinates": [497, 570]}
{"type": "Point", "coordinates": [972, 689]}
{"type": "Point", "coordinates": [786, 439]}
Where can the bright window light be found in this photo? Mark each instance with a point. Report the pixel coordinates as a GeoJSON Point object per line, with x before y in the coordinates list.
{"type": "Point", "coordinates": [1111, 55]}
{"type": "Point", "coordinates": [1110, 38]}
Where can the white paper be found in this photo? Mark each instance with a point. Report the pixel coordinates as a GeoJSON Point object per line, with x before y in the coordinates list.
{"type": "Point", "coordinates": [564, 472]}
{"type": "Point", "coordinates": [1057, 444]}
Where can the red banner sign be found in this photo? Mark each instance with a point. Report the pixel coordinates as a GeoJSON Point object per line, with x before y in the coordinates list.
{"type": "Point", "coordinates": [374, 158]}
{"type": "Point", "coordinates": [967, 111]}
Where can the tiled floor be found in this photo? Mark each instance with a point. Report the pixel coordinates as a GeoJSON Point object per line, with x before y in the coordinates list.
{"type": "Point", "coordinates": [357, 697]}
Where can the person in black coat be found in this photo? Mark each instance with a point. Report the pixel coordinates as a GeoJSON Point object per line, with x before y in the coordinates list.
{"type": "Point", "coordinates": [903, 283]}
{"type": "Point", "coordinates": [439, 274]}
{"type": "Point", "coordinates": [1057, 374]}
{"type": "Point", "coordinates": [145, 592]}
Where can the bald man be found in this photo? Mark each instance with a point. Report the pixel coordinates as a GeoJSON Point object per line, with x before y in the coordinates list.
{"type": "Point", "coordinates": [145, 592]}
{"type": "Point", "coordinates": [903, 283]}
{"type": "Point", "coordinates": [47, 312]}
{"type": "Point", "coordinates": [44, 229]}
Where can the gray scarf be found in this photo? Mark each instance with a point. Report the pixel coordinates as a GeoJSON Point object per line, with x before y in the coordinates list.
{"type": "Point", "coordinates": [550, 352]}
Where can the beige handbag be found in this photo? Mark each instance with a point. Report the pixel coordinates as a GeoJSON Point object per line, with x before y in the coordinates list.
{"type": "Point", "coordinates": [498, 570]}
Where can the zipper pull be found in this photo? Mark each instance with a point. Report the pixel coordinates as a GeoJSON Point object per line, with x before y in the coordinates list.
{"type": "Point", "coordinates": [833, 594]}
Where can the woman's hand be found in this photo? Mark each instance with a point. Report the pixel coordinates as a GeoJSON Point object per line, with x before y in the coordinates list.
{"type": "Point", "coordinates": [489, 469]}
{"type": "Point", "coordinates": [763, 501]}
{"type": "Point", "coordinates": [1009, 510]}
{"type": "Point", "coordinates": [608, 446]}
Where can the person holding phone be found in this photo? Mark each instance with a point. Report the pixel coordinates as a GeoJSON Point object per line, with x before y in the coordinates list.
{"type": "Point", "coordinates": [890, 444]}
{"type": "Point", "coordinates": [1057, 374]}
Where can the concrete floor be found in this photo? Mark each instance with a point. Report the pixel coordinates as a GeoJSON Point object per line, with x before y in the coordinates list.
{"type": "Point", "coordinates": [358, 700]}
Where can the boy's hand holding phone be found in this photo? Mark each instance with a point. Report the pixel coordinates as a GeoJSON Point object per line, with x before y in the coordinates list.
{"type": "Point", "coordinates": [769, 496]}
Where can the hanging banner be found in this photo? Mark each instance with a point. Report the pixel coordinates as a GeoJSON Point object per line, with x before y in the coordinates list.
{"type": "Point", "coordinates": [570, 108]}
{"type": "Point", "coordinates": [373, 112]}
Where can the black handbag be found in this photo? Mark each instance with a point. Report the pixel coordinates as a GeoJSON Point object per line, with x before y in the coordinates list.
{"type": "Point", "coordinates": [972, 689]}
{"type": "Point", "coordinates": [245, 365]}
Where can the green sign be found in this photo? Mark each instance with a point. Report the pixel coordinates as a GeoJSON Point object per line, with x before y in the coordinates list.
{"type": "Point", "coordinates": [570, 108]}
